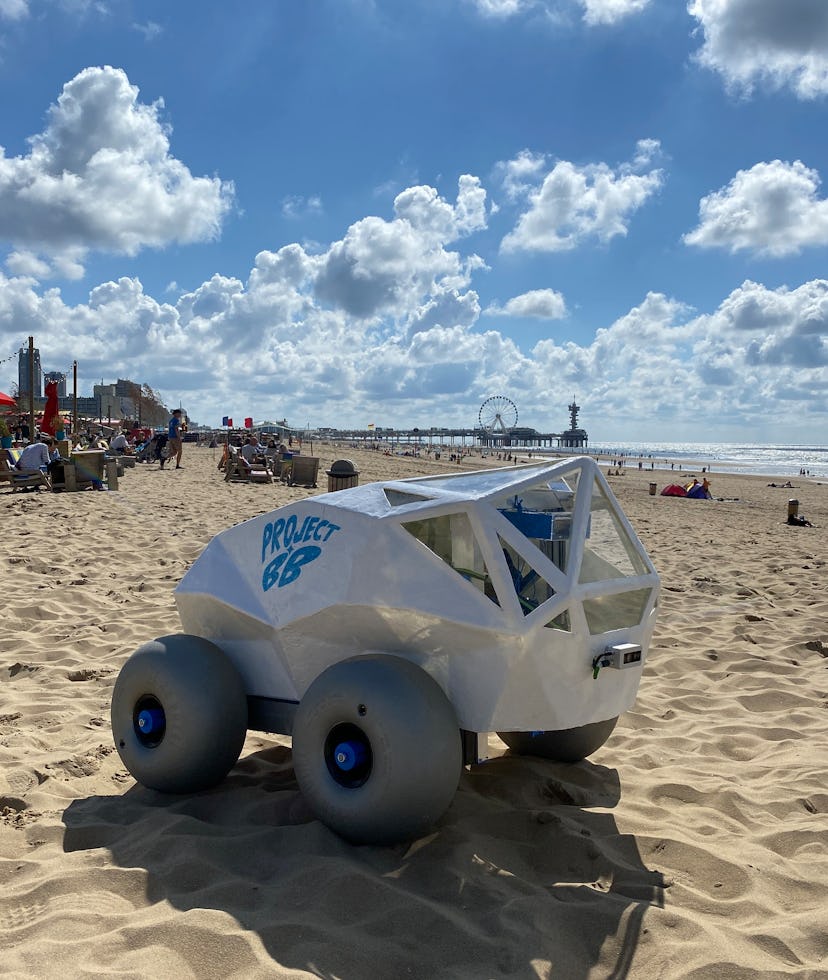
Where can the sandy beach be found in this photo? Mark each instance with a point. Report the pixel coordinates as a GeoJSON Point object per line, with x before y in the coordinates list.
{"type": "Point", "coordinates": [693, 844]}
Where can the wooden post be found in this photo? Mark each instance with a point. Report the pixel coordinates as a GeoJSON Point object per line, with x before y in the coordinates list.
{"type": "Point", "coordinates": [75, 402]}
{"type": "Point", "coordinates": [31, 390]}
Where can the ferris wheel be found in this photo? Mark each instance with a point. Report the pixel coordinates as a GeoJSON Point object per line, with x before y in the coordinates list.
{"type": "Point", "coordinates": [498, 414]}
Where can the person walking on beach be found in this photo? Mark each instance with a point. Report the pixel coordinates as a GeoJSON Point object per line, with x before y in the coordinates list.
{"type": "Point", "coordinates": [175, 446]}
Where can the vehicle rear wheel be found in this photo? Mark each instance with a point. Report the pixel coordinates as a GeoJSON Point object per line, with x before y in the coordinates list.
{"type": "Point", "coordinates": [567, 745]}
{"type": "Point", "coordinates": [179, 714]}
{"type": "Point", "coordinates": [376, 749]}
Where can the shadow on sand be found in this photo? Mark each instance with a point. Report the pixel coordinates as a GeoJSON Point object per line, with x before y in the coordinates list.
{"type": "Point", "coordinates": [521, 871]}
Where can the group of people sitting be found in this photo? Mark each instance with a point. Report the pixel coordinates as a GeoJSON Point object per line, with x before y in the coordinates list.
{"type": "Point", "coordinates": [255, 453]}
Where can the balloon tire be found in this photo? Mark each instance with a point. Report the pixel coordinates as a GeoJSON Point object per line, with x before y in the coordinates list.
{"type": "Point", "coordinates": [205, 708]}
{"type": "Point", "coordinates": [414, 746]}
{"type": "Point", "coordinates": [566, 745]}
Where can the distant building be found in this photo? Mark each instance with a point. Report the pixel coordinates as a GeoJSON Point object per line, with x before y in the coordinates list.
{"type": "Point", "coordinates": [23, 373]}
{"type": "Point", "coordinates": [109, 404]}
{"type": "Point", "coordinates": [59, 378]}
{"type": "Point", "coordinates": [87, 406]}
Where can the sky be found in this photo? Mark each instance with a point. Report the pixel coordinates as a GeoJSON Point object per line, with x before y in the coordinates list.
{"type": "Point", "coordinates": [354, 212]}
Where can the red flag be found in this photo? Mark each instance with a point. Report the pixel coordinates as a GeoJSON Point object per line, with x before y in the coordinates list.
{"type": "Point", "coordinates": [248, 423]}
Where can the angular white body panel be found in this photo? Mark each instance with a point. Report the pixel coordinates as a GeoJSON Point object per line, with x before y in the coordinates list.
{"type": "Point", "coordinates": [505, 585]}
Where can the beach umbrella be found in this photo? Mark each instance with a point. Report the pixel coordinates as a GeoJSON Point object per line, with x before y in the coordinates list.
{"type": "Point", "coordinates": [7, 400]}
{"type": "Point", "coordinates": [51, 414]}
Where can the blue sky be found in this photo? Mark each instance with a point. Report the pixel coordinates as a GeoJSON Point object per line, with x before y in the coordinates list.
{"type": "Point", "coordinates": [354, 211]}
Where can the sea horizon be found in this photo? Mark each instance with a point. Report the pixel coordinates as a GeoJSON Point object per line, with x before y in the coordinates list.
{"type": "Point", "coordinates": [760, 459]}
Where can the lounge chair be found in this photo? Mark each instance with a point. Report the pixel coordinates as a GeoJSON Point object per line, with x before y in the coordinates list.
{"type": "Point", "coordinates": [20, 479]}
{"type": "Point", "coordinates": [236, 469]}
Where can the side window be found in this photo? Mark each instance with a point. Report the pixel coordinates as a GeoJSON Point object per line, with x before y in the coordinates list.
{"type": "Point", "coordinates": [608, 553]}
{"type": "Point", "coordinates": [531, 588]}
{"type": "Point", "coordinates": [560, 622]}
{"type": "Point", "coordinates": [612, 612]}
{"type": "Point", "coordinates": [543, 513]}
{"type": "Point", "coordinates": [452, 539]}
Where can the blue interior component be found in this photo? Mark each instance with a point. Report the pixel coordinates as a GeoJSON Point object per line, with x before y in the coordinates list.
{"type": "Point", "coordinates": [349, 754]}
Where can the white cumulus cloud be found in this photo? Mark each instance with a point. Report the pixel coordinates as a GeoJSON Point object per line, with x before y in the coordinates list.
{"type": "Point", "coordinates": [573, 204]}
{"type": "Point", "coordinates": [772, 209]}
{"type": "Point", "coordinates": [541, 304]}
{"type": "Point", "coordinates": [756, 359]}
{"type": "Point", "coordinates": [100, 176]}
{"type": "Point", "coordinates": [386, 267]}
{"type": "Point", "coordinates": [780, 43]}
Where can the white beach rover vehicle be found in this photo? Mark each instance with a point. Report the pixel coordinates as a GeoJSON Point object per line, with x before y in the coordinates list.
{"type": "Point", "coordinates": [388, 629]}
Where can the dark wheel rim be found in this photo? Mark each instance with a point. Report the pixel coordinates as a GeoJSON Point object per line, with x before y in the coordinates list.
{"type": "Point", "coordinates": [348, 755]}
{"type": "Point", "coordinates": [149, 721]}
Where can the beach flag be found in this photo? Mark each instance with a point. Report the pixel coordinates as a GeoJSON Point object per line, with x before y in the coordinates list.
{"type": "Point", "coordinates": [227, 421]}
{"type": "Point", "coordinates": [248, 423]}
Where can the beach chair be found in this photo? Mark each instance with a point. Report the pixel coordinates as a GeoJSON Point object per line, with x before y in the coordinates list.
{"type": "Point", "coordinates": [20, 479]}
{"type": "Point", "coordinates": [304, 471]}
{"type": "Point", "coordinates": [260, 472]}
{"type": "Point", "coordinates": [236, 469]}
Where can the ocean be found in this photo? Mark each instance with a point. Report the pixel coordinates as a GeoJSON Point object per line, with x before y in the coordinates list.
{"type": "Point", "coordinates": [725, 457]}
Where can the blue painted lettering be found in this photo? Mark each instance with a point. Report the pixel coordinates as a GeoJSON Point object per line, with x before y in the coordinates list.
{"type": "Point", "coordinates": [290, 531]}
{"type": "Point", "coordinates": [267, 534]}
{"type": "Point", "coordinates": [278, 527]}
{"type": "Point", "coordinates": [330, 531]}
{"type": "Point", "coordinates": [271, 573]}
{"type": "Point", "coordinates": [293, 567]}
{"type": "Point", "coordinates": [281, 541]}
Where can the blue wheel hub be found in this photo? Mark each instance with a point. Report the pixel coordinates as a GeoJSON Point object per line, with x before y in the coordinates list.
{"type": "Point", "coordinates": [348, 755]}
{"type": "Point", "coordinates": [149, 721]}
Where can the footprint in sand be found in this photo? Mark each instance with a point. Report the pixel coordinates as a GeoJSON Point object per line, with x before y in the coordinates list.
{"type": "Point", "coordinates": [818, 647]}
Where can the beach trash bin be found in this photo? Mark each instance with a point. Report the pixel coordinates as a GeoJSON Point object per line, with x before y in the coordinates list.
{"type": "Point", "coordinates": [653, 488]}
{"type": "Point", "coordinates": [342, 475]}
{"type": "Point", "coordinates": [793, 508]}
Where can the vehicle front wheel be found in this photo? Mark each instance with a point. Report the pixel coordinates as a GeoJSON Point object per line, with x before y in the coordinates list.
{"type": "Point", "coordinates": [566, 745]}
{"type": "Point", "coordinates": [376, 749]}
{"type": "Point", "coordinates": [179, 714]}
